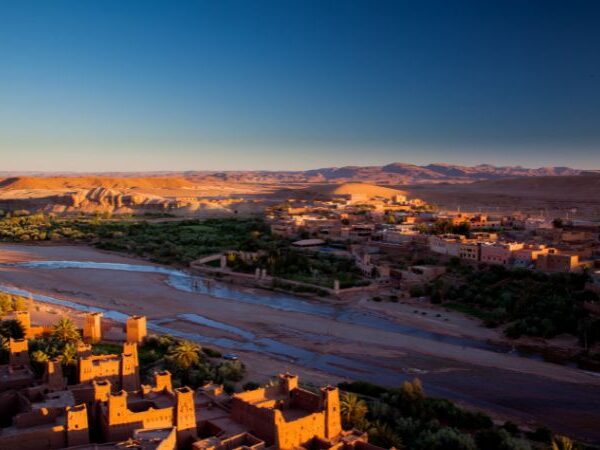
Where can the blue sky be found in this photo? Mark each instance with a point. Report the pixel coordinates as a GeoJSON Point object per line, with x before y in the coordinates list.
{"type": "Point", "coordinates": [163, 85]}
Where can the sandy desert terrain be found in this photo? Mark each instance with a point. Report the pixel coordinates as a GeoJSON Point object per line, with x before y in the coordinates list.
{"type": "Point", "coordinates": [556, 193]}
{"type": "Point", "coordinates": [165, 195]}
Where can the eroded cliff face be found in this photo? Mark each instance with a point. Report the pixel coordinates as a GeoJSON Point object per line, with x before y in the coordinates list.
{"type": "Point", "coordinates": [129, 195]}
{"type": "Point", "coordinates": [113, 199]}
{"type": "Point", "coordinates": [117, 202]}
{"type": "Point", "coordinates": [85, 200]}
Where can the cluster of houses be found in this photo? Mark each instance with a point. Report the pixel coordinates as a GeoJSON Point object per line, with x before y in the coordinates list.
{"type": "Point", "coordinates": [558, 250]}
{"type": "Point", "coordinates": [108, 407]}
{"type": "Point", "coordinates": [342, 219]}
{"type": "Point", "coordinates": [365, 225]}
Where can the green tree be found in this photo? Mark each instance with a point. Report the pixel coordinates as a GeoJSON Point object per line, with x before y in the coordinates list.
{"type": "Point", "coordinates": [353, 410]}
{"type": "Point", "coordinates": [412, 397]}
{"type": "Point", "coordinates": [499, 439]}
{"type": "Point", "coordinates": [231, 371]}
{"type": "Point", "coordinates": [3, 343]}
{"type": "Point", "coordinates": [65, 331]}
{"type": "Point", "coordinates": [5, 303]}
{"type": "Point", "coordinates": [562, 443]}
{"type": "Point", "coordinates": [38, 362]}
{"type": "Point", "coordinates": [12, 329]}
{"type": "Point", "coordinates": [39, 356]}
{"type": "Point", "coordinates": [185, 354]}
{"type": "Point", "coordinates": [68, 355]}
{"type": "Point", "coordinates": [445, 439]}
{"type": "Point", "coordinates": [382, 434]}
{"type": "Point", "coordinates": [19, 303]}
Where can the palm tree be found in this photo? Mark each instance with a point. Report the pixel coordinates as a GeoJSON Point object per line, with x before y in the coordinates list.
{"type": "Point", "coordinates": [19, 303]}
{"type": "Point", "coordinates": [562, 443]}
{"type": "Point", "coordinates": [384, 435]}
{"type": "Point", "coordinates": [353, 410]}
{"type": "Point", "coordinates": [39, 356]}
{"type": "Point", "coordinates": [3, 349]}
{"type": "Point", "coordinates": [68, 355]}
{"type": "Point", "coordinates": [12, 329]}
{"type": "Point", "coordinates": [185, 355]}
{"type": "Point", "coordinates": [38, 362]}
{"type": "Point", "coordinates": [65, 331]}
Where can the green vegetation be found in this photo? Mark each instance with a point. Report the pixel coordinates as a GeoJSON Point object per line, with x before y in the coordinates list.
{"type": "Point", "coordinates": [164, 242]}
{"type": "Point", "coordinates": [314, 268]}
{"type": "Point", "coordinates": [65, 331]}
{"type": "Point", "coordinates": [9, 303]}
{"type": "Point", "coordinates": [62, 343]}
{"type": "Point", "coordinates": [183, 241]}
{"type": "Point", "coordinates": [406, 418]}
{"type": "Point", "coordinates": [9, 329]}
{"type": "Point", "coordinates": [444, 226]}
{"type": "Point", "coordinates": [529, 303]}
{"type": "Point", "coordinates": [188, 363]}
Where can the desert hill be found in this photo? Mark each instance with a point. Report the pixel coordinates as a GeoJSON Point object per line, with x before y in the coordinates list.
{"type": "Point", "coordinates": [191, 193]}
{"type": "Point", "coordinates": [571, 187]}
{"type": "Point", "coordinates": [354, 188]}
{"type": "Point", "coordinates": [120, 195]}
{"type": "Point", "coordinates": [557, 195]}
{"type": "Point", "coordinates": [59, 183]}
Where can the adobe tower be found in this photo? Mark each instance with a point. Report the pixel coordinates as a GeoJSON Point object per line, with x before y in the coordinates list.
{"type": "Point", "coordinates": [92, 329]}
{"type": "Point", "coordinates": [136, 329]}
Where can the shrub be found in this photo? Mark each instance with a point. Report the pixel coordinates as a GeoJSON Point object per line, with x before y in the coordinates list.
{"type": "Point", "coordinates": [445, 439]}
{"type": "Point", "coordinates": [541, 434]}
{"type": "Point", "coordinates": [363, 388]}
{"type": "Point", "coordinates": [250, 386]}
{"type": "Point", "coordinates": [211, 352]}
{"type": "Point", "coordinates": [231, 371]}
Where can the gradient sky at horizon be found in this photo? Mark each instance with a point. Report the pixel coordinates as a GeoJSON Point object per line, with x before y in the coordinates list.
{"type": "Point", "coordinates": [198, 85]}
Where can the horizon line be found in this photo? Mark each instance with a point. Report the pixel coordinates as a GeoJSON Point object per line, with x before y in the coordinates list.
{"type": "Point", "coordinates": [173, 171]}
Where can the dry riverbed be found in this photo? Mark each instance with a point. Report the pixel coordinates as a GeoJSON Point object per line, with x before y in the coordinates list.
{"type": "Point", "coordinates": [382, 343]}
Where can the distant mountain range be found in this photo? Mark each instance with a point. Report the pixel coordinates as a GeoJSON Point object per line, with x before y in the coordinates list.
{"type": "Point", "coordinates": [395, 173]}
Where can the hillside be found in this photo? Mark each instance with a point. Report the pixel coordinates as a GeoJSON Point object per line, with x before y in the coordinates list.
{"type": "Point", "coordinates": [394, 173]}
{"type": "Point", "coordinates": [557, 195]}
{"type": "Point", "coordinates": [198, 193]}
{"type": "Point", "coordinates": [59, 183]}
{"type": "Point", "coordinates": [572, 187]}
{"type": "Point", "coordinates": [344, 189]}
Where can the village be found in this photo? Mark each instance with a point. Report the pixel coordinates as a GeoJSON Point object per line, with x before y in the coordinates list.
{"type": "Point", "coordinates": [108, 407]}
{"type": "Point", "coordinates": [347, 258]}
{"type": "Point", "coordinates": [376, 227]}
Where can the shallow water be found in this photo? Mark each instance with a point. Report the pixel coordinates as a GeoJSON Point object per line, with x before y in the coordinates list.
{"type": "Point", "coordinates": [185, 282]}
{"type": "Point", "coordinates": [340, 366]}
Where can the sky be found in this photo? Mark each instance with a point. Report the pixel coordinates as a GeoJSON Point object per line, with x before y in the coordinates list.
{"type": "Point", "coordinates": [244, 85]}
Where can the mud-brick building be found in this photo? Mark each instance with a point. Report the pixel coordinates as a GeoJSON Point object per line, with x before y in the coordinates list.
{"type": "Point", "coordinates": [24, 318]}
{"type": "Point", "coordinates": [47, 428]}
{"type": "Point", "coordinates": [120, 414]}
{"type": "Point", "coordinates": [17, 373]}
{"type": "Point", "coordinates": [92, 328]}
{"type": "Point", "coordinates": [136, 329]}
{"type": "Point", "coordinates": [15, 376]}
{"type": "Point", "coordinates": [121, 370]}
{"type": "Point", "coordinates": [282, 417]}
{"type": "Point", "coordinates": [288, 416]}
